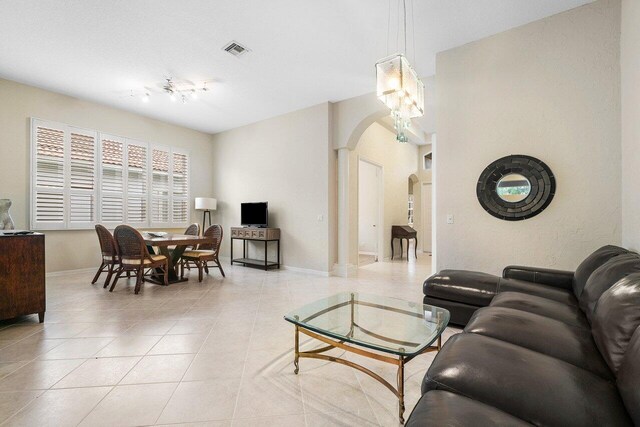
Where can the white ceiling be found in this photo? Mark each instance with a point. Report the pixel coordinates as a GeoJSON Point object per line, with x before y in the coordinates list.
{"type": "Point", "coordinates": [304, 52]}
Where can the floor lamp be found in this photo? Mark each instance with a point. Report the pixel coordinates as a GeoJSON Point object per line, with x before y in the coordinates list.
{"type": "Point", "coordinates": [207, 205]}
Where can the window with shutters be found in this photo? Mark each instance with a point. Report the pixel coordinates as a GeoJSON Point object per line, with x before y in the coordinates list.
{"type": "Point", "coordinates": [82, 177]}
{"type": "Point", "coordinates": [180, 177]}
{"type": "Point", "coordinates": [160, 186]}
{"type": "Point", "coordinates": [137, 197]}
{"type": "Point", "coordinates": [112, 177]}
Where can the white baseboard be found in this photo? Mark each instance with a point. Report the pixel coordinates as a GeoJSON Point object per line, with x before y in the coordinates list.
{"type": "Point", "coordinates": [368, 253]}
{"type": "Point", "coordinates": [67, 272]}
{"type": "Point", "coordinates": [342, 270]}
{"type": "Point", "coordinates": [227, 260]}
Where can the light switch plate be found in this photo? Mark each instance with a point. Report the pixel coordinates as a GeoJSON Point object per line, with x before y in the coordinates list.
{"type": "Point", "coordinates": [449, 218]}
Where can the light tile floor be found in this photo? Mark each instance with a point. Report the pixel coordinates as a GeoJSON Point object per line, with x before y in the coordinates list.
{"type": "Point", "coordinates": [216, 353]}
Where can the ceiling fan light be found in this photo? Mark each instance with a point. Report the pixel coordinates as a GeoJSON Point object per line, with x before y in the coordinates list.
{"type": "Point", "coordinates": [146, 98]}
{"type": "Point", "coordinates": [194, 94]}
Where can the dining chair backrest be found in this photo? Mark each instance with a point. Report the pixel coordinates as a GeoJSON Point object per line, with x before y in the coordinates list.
{"type": "Point", "coordinates": [193, 230]}
{"type": "Point", "coordinates": [130, 243]}
{"type": "Point", "coordinates": [214, 231]}
{"type": "Point", "coordinates": [107, 243]}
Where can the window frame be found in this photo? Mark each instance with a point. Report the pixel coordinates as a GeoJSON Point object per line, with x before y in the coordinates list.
{"type": "Point", "coordinates": [97, 191]}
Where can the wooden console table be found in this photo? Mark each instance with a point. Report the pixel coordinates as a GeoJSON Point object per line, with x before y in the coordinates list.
{"type": "Point", "coordinates": [404, 232]}
{"type": "Point", "coordinates": [265, 235]}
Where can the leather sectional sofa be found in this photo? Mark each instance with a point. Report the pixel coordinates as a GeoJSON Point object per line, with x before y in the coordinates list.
{"type": "Point", "coordinates": [540, 346]}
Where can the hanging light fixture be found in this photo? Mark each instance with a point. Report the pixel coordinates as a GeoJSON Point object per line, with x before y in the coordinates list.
{"type": "Point", "coordinates": [399, 87]}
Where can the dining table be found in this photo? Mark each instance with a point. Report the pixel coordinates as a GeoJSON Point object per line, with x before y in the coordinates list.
{"type": "Point", "coordinates": [179, 242]}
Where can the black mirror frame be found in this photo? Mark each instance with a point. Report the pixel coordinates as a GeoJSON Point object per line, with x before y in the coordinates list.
{"type": "Point", "coordinates": [543, 187]}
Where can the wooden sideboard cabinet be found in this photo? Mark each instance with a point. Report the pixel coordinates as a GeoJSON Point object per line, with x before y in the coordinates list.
{"type": "Point", "coordinates": [22, 275]}
{"type": "Point", "coordinates": [258, 234]}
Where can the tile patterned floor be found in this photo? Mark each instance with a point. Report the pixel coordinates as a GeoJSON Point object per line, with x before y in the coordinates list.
{"type": "Point", "coordinates": [216, 353]}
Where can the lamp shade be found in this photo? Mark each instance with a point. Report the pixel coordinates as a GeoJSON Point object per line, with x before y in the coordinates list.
{"type": "Point", "coordinates": [206, 204]}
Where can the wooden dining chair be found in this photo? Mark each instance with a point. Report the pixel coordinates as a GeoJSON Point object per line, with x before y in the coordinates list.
{"type": "Point", "coordinates": [206, 253]}
{"type": "Point", "coordinates": [110, 259]}
{"type": "Point", "coordinates": [135, 257]}
{"type": "Point", "coordinates": [192, 230]}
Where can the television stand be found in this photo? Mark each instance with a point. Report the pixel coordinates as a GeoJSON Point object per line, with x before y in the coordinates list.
{"type": "Point", "coordinates": [256, 234]}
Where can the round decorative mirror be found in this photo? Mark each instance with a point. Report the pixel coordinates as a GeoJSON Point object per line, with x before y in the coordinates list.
{"type": "Point", "coordinates": [516, 187]}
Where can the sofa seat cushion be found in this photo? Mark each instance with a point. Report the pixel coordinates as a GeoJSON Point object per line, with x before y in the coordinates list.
{"type": "Point", "coordinates": [545, 291]}
{"type": "Point", "coordinates": [569, 314]}
{"type": "Point", "coordinates": [534, 387]}
{"type": "Point", "coordinates": [542, 334]}
{"type": "Point", "coordinates": [469, 287]}
{"type": "Point", "coordinates": [442, 408]}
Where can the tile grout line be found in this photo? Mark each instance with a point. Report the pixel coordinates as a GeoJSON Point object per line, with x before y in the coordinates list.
{"type": "Point", "coordinates": [215, 323]}
{"type": "Point", "coordinates": [246, 354]}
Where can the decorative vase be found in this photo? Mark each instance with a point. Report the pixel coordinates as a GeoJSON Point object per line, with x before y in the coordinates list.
{"type": "Point", "coordinates": [6, 223]}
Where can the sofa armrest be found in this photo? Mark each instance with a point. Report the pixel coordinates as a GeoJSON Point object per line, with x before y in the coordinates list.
{"type": "Point", "coordinates": [544, 276]}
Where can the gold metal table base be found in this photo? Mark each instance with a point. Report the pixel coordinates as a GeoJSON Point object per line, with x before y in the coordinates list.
{"type": "Point", "coordinates": [399, 361]}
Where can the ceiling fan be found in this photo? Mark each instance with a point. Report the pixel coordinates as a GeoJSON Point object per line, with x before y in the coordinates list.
{"type": "Point", "coordinates": [182, 91]}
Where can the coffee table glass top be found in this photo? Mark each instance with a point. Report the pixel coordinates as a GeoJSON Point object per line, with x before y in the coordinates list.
{"type": "Point", "coordinates": [381, 323]}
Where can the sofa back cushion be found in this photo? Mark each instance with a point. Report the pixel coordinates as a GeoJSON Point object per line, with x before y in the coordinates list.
{"type": "Point", "coordinates": [605, 277]}
{"type": "Point", "coordinates": [616, 317]}
{"type": "Point", "coordinates": [629, 378]}
{"type": "Point", "coordinates": [590, 264]}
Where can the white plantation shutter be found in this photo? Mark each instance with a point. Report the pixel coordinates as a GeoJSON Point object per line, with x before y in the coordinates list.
{"type": "Point", "coordinates": [160, 190]}
{"type": "Point", "coordinates": [137, 179]}
{"type": "Point", "coordinates": [82, 178]}
{"type": "Point", "coordinates": [63, 181]}
{"type": "Point", "coordinates": [112, 179]}
{"type": "Point", "coordinates": [180, 188]}
{"type": "Point", "coordinates": [48, 176]}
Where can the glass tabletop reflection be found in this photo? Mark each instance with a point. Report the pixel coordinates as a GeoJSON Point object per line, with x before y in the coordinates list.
{"type": "Point", "coordinates": [385, 324]}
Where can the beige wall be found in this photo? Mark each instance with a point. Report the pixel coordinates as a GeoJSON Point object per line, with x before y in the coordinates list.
{"type": "Point", "coordinates": [398, 161]}
{"type": "Point", "coordinates": [630, 60]}
{"type": "Point", "coordinates": [69, 250]}
{"type": "Point", "coordinates": [549, 89]}
{"type": "Point", "coordinates": [284, 161]}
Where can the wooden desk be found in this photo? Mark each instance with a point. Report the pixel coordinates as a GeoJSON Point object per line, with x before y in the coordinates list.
{"type": "Point", "coordinates": [404, 232]}
{"type": "Point", "coordinates": [181, 242]}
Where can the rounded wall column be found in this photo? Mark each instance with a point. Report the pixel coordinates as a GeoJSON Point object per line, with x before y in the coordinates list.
{"type": "Point", "coordinates": [343, 268]}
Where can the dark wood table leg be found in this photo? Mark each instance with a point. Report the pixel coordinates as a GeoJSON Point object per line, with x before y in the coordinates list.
{"type": "Point", "coordinates": [265, 255]}
{"type": "Point", "coordinates": [41, 317]}
{"type": "Point", "coordinates": [173, 257]}
{"type": "Point", "coordinates": [401, 248]}
{"type": "Point", "coordinates": [391, 248]}
{"type": "Point", "coordinates": [415, 249]}
{"type": "Point", "coordinates": [278, 242]}
{"type": "Point", "coordinates": [232, 251]}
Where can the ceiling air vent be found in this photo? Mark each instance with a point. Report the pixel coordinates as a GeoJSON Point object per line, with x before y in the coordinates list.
{"type": "Point", "coordinates": [235, 48]}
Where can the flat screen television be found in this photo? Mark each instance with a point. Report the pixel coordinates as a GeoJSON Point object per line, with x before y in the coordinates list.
{"type": "Point", "coordinates": [254, 214]}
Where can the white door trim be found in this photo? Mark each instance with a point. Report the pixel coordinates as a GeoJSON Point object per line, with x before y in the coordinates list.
{"type": "Point", "coordinates": [381, 225]}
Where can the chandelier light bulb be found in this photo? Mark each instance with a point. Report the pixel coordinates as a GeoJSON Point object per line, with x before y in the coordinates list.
{"type": "Point", "coordinates": [194, 94]}
{"type": "Point", "coordinates": [145, 98]}
{"type": "Point", "coordinates": [172, 97]}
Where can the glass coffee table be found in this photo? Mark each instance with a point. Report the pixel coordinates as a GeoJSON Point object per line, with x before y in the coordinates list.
{"type": "Point", "coordinates": [396, 331]}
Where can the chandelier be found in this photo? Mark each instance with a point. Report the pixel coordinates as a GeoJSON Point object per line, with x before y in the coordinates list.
{"type": "Point", "coordinates": [399, 88]}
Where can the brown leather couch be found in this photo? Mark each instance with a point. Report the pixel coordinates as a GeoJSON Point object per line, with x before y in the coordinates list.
{"type": "Point", "coordinates": [549, 348]}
